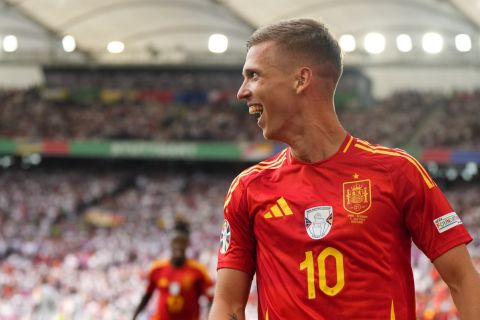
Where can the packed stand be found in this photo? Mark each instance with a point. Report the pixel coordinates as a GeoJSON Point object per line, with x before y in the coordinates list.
{"type": "Point", "coordinates": [457, 125]}
{"type": "Point", "coordinates": [393, 121]}
{"type": "Point", "coordinates": [77, 245]}
{"type": "Point", "coordinates": [165, 113]}
{"type": "Point", "coordinates": [26, 114]}
{"type": "Point", "coordinates": [90, 237]}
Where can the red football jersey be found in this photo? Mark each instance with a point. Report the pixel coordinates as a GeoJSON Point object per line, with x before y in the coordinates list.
{"type": "Point", "coordinates": [179, 288]}
{"type": "Point", "coordinates": [332, 239]}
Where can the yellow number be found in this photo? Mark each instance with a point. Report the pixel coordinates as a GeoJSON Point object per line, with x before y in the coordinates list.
{"type": "Point", "coordinates": [308, 264]}
{"type": "Point", "coordinates": [322, 278]}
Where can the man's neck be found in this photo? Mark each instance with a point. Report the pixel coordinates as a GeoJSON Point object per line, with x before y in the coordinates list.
{"type": "Point", "coordinates": [177, 262]}
{"type": "Point", "coordinates": [318, 146]}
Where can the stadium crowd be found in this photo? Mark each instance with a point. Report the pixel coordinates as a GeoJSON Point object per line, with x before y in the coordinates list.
{"type": "Point", "coordinates": [76, 243]}
{"type": "Point", "coordinates": [401, 119]}
{"type": "Point", "coordinates": [61, 266]}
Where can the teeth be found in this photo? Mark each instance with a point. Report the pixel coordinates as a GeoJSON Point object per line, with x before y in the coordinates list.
{"type": "Point", "coordinates": [255, 108]}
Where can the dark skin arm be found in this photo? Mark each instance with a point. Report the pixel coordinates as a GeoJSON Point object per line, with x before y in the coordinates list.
{"type": "Point", "coordinates": [143, 303]}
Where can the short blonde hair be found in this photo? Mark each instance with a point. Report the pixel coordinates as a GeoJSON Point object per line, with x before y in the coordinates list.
{"type": "Point", "coordinates": [306, 37]}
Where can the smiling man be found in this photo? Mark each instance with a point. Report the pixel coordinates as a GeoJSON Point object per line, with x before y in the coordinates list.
{"type": "Point", "coordinates": [327, 224]}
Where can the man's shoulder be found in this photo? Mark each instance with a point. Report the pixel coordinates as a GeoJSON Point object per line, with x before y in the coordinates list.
{"type": "Point", "coordinates": [159, 264]}
{"type": "Point", "coordinates": [264, 167]}
{"type": "Point", "coordinates": [379, 154]}
{"type": "Point", "coordinates": [393, 161]}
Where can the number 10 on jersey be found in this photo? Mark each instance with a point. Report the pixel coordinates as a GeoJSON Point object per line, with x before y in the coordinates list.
{"type": "Point", "coordinates": [309, 265]}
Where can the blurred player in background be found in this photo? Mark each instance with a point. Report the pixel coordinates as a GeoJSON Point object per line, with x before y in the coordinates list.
{"type": "Point", "coordinates": [327, 223]}
{"type": "Point", "coordinates": [179, 280]}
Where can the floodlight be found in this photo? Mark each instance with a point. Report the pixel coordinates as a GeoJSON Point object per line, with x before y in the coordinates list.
{"type": "Point", "coordinates": [404, 43]}
{"type": "Point", "coordinates": [68, 43]}
{"type": "Point", "coordinates": [463, 42]}
{"type": "Point", "coordinates": [217, 43]}
{"type": "Point", "coordinates": [115, 47]}
{"type": "Point", "coordinates": [10, 43]}
{"type": "Point", "coordinates": [432, 42]}
{"type": "Point", "coordinates": [347, 43]}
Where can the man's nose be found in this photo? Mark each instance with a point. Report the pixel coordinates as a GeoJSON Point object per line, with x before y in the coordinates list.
{"type": "Point", "coordinates": [243, 92]}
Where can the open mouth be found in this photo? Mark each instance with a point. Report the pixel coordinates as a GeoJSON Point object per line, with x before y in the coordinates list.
{"type": "Point", "coordinates": [255, 109]}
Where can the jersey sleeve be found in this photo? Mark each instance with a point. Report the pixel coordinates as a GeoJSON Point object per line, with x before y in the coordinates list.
{"type": "Point", "coordinates": [237, 242]}
{"type": "Point", "coordinates": [433, 224]}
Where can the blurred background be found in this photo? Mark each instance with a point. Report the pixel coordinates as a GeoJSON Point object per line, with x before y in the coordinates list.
{"type": "Point", "coordinates": [116, 116]}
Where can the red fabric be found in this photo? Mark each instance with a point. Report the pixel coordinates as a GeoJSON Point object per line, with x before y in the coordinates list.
{"type": "Point", "coordinates": [359, 266]}
{"type": "Point", "coordinates": [179, 288]}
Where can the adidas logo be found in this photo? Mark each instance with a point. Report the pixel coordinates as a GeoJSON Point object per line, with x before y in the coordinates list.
{"type": "Point", "coordinates": [278, 210]}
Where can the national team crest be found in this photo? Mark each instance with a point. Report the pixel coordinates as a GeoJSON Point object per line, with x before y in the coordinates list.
{"type": "Point", "coordinates": [357, 196]}
{"type": "Point", "coordinates": [225, 237]}
{"type": "Point", "coordinates": [318, 221]}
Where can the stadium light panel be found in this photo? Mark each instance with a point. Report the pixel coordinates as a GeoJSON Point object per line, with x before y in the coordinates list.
{"type": "Point", "coordinates": [10, 43]}
{"type": "Point", "coordinates": [217, 43]}
{"type": "Point", "coordinates": [374, 42]}
{"type": "Point", "coordinates": [463, 42]}
{"type": "Point", "coordinates": [347, 43]}
{"type": "Point", "coordinates": [115, 47]}
{"type": "Point", "coordinates": [432, 42]}
{"type": "Point", "coordinates": [69, 44]}
{"type": "Point", "coordinates": [404, 43]}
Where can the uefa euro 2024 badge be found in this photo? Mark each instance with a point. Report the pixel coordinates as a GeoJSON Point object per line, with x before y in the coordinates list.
{"type": "Point", "coordinates": [318, 221]}
{"type": "Point", "coordinates": [225, 237]}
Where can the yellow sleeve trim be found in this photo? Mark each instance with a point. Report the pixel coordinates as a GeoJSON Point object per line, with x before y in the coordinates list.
{"type": "Point", "coordinates": [382, 150]}
{"type": "Point", "coordinates": [276, 163]}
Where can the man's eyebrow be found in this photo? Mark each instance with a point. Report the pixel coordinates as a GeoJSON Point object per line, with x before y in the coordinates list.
{"type": "Point", "coordinates": [248, 71]}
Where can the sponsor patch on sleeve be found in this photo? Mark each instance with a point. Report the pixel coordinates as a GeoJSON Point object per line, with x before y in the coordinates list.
{"type": "Point", "coordinates": [447, 221]}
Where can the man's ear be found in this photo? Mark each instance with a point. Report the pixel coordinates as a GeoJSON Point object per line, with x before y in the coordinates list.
{"type": "Point", "coordinates": [304, 78]}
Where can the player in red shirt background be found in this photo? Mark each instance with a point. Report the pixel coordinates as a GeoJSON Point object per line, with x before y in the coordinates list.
{"type": "Point", "coordinates": [180, 281]}
{"type": "Point", "coordinates": [327, 224]}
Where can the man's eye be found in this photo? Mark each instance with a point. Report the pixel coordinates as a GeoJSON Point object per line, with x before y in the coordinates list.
{"type": "Point", "coordinates": [254, 75]}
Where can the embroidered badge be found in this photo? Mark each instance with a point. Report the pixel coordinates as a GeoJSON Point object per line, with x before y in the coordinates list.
{"type": "Point", "coordinates": [447, 221]}
{"type": "Point", "coordinates": [318, 221]}
{"type": "Point", "coordinates": [357, 196]}
{"type": "Point", "coordinates": [225, 237]}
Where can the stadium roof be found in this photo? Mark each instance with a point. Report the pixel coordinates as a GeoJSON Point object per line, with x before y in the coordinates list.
{"type": "Point", "coordinates": [177, 31]}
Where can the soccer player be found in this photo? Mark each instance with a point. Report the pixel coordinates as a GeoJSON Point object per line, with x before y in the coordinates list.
{"type": "Point", "coordinates": [327, 223]}
{"type": "Point", "coordinates": [179, 280]}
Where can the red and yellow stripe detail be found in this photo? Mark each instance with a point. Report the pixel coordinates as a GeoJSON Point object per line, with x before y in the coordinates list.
{"type": "Point", "coordinates": [348, 144]}
{"type": "Point", "coordinates": [392, 312]}
{"type": "Point", "coordinates": [363, 145]}
{"type": "Point", "coordinates": [264, 165]}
